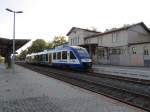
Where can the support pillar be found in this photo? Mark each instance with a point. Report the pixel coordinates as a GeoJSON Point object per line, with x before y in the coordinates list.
{"type": "Point", "coordinates": [90, 51]}
{"type": "Point", "coordinates": [8, 58]}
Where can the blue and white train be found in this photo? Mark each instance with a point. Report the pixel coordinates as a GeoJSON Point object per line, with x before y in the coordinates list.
{"type": "Point", "coordinates": [62, 56]}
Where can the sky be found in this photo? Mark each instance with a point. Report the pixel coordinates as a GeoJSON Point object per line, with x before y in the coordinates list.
{"type": "Point", "coordinates": [49, 18]}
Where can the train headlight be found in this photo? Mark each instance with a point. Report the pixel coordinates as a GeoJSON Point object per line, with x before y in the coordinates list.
{"type": "Point", "coordinates": [86, 60]}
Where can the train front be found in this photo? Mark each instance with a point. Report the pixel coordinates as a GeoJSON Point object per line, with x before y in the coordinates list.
{"type": "Point", "coordinates": [85, 59]}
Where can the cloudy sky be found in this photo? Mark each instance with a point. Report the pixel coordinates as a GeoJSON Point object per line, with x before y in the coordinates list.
{"type": "Point", "coordinates": [48, 18]}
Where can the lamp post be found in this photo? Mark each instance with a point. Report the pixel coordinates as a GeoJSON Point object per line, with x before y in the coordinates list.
{"type": "Point", "coordinates": [13, 57]}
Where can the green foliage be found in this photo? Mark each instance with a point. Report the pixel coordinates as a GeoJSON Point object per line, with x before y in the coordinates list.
{"type": "Point", "coordinates": [1, 59]}
{"type": "Point", "coordinates": [22, 55]}
{"type": "Point", "coordinates": [49, 45]}
{"type": "Point", "coordinates": [58, 41]}
{"type": "Point", "coordinates": [40, 45]}
{"type": "Point", "coordinates": [37, 46]}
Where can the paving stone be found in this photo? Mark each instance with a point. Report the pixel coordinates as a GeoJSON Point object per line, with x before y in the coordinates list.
{"type": "Point", "coordinates": [37, 104]}
{"type": "Point", "coordinates": [133, 72]}
{"type": "Point", "coordinates": [28, 91]}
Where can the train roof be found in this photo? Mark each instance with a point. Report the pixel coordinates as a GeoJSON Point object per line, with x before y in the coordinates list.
{"type": "Point", "coordinates": [77, 47]}
{"type": "Point", "coordinates": [58, 48]}
{"type": "Point", "coordinates": [38, 53]}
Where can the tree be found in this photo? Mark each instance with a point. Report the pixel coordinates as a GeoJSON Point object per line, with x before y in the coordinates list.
{"type": "Point", "coordinates": [40, 45]}
{"type": "Point", "coordinates": [110, 29]}
{"type": "Point", "coordinates": [50, 45]}
{"type": "Point", "coordinates": [93, 28]}
{"type": "Point", "coordinates": [37, 46]}
{"type": "Point", "coordinates": [1, 59]}
{"type": "Point", "coordinates": [22, 55]}
{"type": "Point", "coordinates": [126, 25]}
{"type": "Point", "coordinates": [58, 40]}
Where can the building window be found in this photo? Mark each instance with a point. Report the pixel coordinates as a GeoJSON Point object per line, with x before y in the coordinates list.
{"type": "Point", "coordinates": [133, 50]}
{"type": "Point", "coordinates": [114, 37]}
{"type": "Point", "coordinates": [75, 40]}
{"type": "Point", "coordinates": [101, 40]}
{"type": "Point", "coordinates": [102, 53]}
{"type": "Point", "coordinates": [89, 41]}
{"type": "Point", "coordinates": [115, 51]}
{"type": "Point", "coordinates": [86, 41]}
{"type": "Point", "coordinates": [70, 41]}
{"type": "Point", "coordinates": [78, 40]}
{"type": "Point", "coordinates": [123, 51]}
{"type": "Point", "coordinates": [146, 51]}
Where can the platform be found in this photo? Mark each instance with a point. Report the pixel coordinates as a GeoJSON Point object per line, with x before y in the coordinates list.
{"type": "Point", "coordinates": [28, 91]}
{"type": "Point", "coordinates": [133, 72]}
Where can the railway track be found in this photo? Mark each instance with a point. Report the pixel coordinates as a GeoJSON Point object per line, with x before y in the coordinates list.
{"type": "Point", "coordinates": [127, 90]}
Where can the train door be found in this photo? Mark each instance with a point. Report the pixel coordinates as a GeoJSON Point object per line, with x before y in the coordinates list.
{"type": "Point", "coordinates": [68, 56]}
{"type": "Point", "coordinates": [50, 58]}
{"type": "Point", "coordinates": [72, 58]}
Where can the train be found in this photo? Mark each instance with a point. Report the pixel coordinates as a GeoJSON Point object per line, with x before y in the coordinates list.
{"type": "Point", "coordinates": [63, 56]}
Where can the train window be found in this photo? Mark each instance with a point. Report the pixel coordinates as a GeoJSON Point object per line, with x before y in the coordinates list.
{"type": "Point", "coordinates": [64, 55]}
{"type": "Point", "coordinates": [59, 55]}
{"type": "Point", "coordinates": [43, 57]}
{"type": "Point", "coordinates": [72, 55]}
{"type": "Point", "coordinates": [46, 57]}
{"type": "Point", "coordinates": [54, 56]}
{"type": "Point", "coordinates": [36, 57]}
{"type": "Point", "coordinates": [40, 57]}
{"type": "Point", "coordinates": [83, 53]}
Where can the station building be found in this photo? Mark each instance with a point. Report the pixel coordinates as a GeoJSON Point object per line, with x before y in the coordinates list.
{"type": "Point", "coordinates": [125, 46]}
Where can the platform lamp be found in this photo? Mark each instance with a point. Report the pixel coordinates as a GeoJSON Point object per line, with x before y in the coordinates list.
{"type": "Point", "coordinates": [13, 57]}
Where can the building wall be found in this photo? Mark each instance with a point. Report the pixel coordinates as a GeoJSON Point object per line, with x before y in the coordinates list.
{"type": "Point", "coordinates": [77, 37]}
{"type": "Point", "coordinates": [119, 38]}
{"type": "Point", "coordinates": [102, 56]}
{"type": "Point", "coordinates": [122, 38]}
{"type": "Point", "coordinates": [137, 34]}
{"type": "Point", "coordinates": [93, 40]}
{"type": "Point", "coordinates": [140, 58]}
{"type": "Point", "coordinates": [123, 58]}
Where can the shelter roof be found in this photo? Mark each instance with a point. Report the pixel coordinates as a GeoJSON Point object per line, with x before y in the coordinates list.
{"type": "Point", "coordinates": [8, 44]}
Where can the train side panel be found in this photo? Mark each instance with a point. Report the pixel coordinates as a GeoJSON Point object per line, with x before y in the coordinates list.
{"type": "Point", "coordinates": [68, 57]}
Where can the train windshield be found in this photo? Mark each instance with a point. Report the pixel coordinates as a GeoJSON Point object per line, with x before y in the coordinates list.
{"type": "Point", "coordinates": [83, 53]}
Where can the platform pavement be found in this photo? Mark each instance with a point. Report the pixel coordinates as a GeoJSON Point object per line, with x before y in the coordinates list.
{"type": "Point", "coordinates": [134, 72]}
{"type": "Point", "coordinates": [28, 91]}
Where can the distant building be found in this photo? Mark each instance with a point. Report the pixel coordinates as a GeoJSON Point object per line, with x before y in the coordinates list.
{"type": "Point", "coordinates": [77, 37]}
{"type": "Point", "coordinates": [127, 46]}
